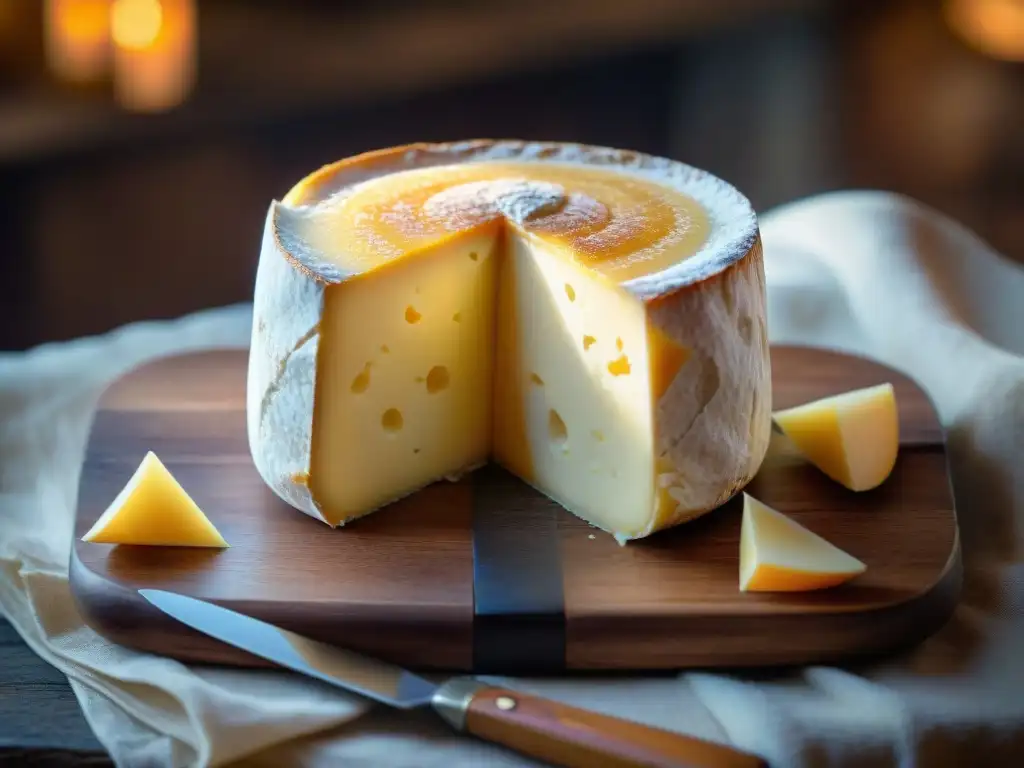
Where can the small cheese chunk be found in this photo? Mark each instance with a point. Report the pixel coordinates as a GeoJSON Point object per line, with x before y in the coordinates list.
{"type": "Point", "coordinates": [779, 555]}
{"type": "Point", "coordinates": [852, 437]}
{"type": "Point", "coordinates": [154, 509]}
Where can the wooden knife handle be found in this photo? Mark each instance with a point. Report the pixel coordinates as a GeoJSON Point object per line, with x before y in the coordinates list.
{"type": "Point", "coordinates": [568, 736]}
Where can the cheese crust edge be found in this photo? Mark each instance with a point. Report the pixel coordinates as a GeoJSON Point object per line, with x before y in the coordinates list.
{"type": "Point", "coordinates": [719, 405]}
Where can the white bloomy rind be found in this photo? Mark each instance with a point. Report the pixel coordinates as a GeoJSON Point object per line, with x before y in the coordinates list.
{"type": "Point", "coordinates": [713, 423]}
{"type": "Point", "coordinates": [282, 371]}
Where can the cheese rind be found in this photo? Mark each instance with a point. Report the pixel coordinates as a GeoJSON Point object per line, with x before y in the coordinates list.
{"type": "Point", "coordinates": [153, 509]}
{"type": "Point", "coordinates": [714, 421]}
{"type": "Point", "coordinates": [777, 554]}
{"type": "Point", "coordinates": [852, 437]}
{"type": "Point", "coordinates": [635, 393]}
{"type": "Point", "coordinates": [288, 301]}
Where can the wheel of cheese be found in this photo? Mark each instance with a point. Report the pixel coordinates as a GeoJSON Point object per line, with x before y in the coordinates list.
{"type": "Point", "coordinates": [592, 319]}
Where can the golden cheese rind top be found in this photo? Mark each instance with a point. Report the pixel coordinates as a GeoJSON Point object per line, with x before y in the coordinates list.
{"type": "Point", "coordinates": [650, 224]}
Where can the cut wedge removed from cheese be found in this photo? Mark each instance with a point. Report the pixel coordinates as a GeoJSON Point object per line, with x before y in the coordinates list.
{"type": "Point", "coordinates": [153, 509]}
{"type": "Point", "coordinates": [591, 319]}
{"type": "Point", "coordinates": [853, 437]}
{"type": "Point", "coordinates": [777, 554]}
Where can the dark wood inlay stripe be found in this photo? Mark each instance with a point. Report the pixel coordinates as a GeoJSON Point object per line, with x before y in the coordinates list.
{"type": "Point", "coordinates": [518, 600]}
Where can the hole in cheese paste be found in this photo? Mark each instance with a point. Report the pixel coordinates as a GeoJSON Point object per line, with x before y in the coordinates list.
{"type": "Point", "coordinates": [619, 367]}
{"type": "Point", "coordinates": [411, 315]}
{"type": "Point", "coordinates": [557, 430]}
{"type": "Point", "coordinates": [362, 380]}
{"type": "Point", "coordinates": [437, 379]}
{"type": "Point", "coordinates": [419, 379]}
{"type": "Point", "coordinates": [384, 348]}
{"type": "Point", "coordinates": [598, 435]}
{"type": "Point", "coordinates": [536, 379]}
{"type": "Point", "coordinates": [392, 420]}
{"type": "Point", "coordinates": [457, 317]}
{"type": "Point", "coordinates": [570, 292]}
{"type": "Point", "coordinates": [415, 450]}
{"type": "Point", "coordinates": [588, 342]}
{"type": "Point", "coordinates": [473, 255]}
{"type": "Point", "coordinates": [618, 344]}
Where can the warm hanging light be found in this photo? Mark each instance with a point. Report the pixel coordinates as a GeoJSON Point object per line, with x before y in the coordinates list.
{"type": "Point", "coordinates": [154, 52]}
{"type": "Point", "coordinates": [77, 38]}
{"type": "Point", "coordinates": [994, 27]}
{"type": "Point", "coordinates": [136, 25]}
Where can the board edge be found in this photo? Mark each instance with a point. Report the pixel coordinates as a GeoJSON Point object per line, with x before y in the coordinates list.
{"type": "Point", "coordinates": [908, 623]}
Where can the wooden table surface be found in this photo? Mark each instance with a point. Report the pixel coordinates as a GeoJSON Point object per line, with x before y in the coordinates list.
{"type": "Point", "coordinates": [41, 722]}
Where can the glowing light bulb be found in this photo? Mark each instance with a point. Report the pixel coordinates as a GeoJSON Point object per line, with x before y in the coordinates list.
{"type": "Point", "coordinates": [993, 27]}
{"type": "Point", "coordinates": [154, 52]}
{"type": "Point", "coordinates": [135, 24]}
{"type": "Point", "coordinates": [77, 38]}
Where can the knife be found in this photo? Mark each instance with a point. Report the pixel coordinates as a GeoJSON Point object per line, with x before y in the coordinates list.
{"type": "Point", "coordinates": [541, 728]}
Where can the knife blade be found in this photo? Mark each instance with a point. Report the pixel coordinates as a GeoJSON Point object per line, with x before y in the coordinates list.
{"type": "Point", "coordinates": [541, 728]}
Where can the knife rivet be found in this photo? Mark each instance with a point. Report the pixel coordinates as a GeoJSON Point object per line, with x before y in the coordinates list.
{"type": "Point", "coordinates": [505, 703]}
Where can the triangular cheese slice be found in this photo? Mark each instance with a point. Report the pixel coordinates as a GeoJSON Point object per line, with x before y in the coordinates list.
{"type": "Point", "coordinates": [853, 437]}
{"type": "Point", "coordinates": [154, 509]}
{"type": "Point", "coordinates": [779, 555]}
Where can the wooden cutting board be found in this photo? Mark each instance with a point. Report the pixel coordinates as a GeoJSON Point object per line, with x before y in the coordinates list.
{"type": "Point", "coordinates": [487, 575]}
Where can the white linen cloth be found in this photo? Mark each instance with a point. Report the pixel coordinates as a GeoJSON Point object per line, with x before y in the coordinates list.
{"type": "Point", "coordinates": [867, 272]}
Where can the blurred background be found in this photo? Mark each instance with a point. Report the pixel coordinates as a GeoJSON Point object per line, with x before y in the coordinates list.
{"type": "Point", "coordinates": [142, 140]}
